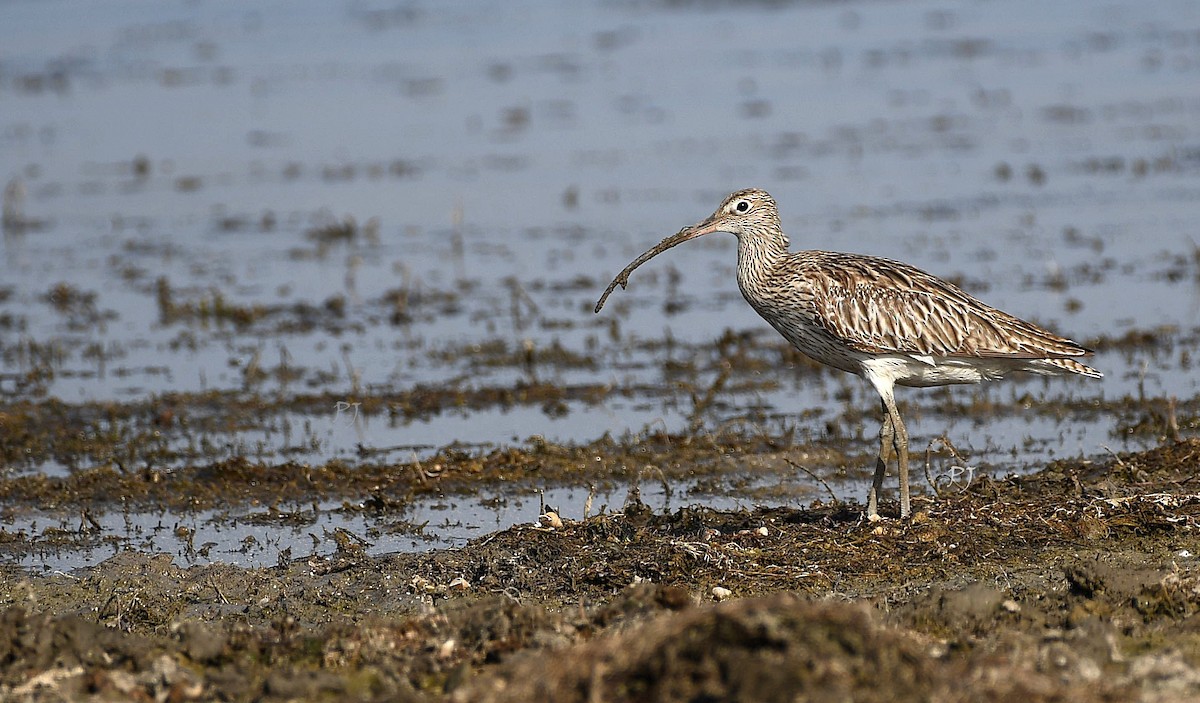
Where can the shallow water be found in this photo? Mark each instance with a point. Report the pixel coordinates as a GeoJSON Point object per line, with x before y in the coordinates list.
{"type": "Point", "coordinates": [501, 161]}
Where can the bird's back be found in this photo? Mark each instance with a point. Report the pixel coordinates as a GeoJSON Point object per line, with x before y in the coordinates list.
{"type": "Point", "coordinates": [841, 308]}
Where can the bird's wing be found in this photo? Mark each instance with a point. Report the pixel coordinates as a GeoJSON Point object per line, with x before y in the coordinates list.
{"type": "Point", "coordinates": [878, 305]}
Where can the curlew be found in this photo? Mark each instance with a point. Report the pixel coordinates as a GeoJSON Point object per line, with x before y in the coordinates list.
{"type": "Point", "coordinates": [884, 320]}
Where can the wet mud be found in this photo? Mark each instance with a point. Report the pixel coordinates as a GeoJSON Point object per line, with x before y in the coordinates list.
{"type": "Point", "coordinates": [1079, 582]}
{"type": "Point", "coordinates": [302, 395]}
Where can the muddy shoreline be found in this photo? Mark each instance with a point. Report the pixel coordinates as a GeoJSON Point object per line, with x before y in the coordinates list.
{"type": "Point", "coordinates": [1078, 582]}
{"type": "Point", "coordinates": [302, 395]}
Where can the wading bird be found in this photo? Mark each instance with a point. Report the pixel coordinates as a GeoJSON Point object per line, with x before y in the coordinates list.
{"type": "Point", "coordinates": [884, 320]}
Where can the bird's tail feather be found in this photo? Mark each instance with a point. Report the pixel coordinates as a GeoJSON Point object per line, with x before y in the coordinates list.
{"type": "Point", "coordinates": [1070, 366]}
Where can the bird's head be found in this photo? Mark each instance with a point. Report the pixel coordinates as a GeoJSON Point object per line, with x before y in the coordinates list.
{"type": "Point", "coordinates": [749, 214]}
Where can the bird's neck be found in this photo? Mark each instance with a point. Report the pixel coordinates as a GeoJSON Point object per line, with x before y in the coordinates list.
{"type": "Point", "coordinates": [756, 257]}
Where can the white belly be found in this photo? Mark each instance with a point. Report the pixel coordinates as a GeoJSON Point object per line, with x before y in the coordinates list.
{"type": "Point", "coordinates": [924, 371]}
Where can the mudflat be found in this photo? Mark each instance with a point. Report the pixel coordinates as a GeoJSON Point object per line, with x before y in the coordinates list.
{"type": "Point", "coordinates": [1077, 582]}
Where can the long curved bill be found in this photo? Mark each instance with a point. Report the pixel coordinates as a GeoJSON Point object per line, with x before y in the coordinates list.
{"type": "Point", "coordinates": [696, 230]}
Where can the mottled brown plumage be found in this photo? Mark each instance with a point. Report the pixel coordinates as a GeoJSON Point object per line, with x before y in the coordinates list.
{"type": "Point", "coordinates": [884, 320]}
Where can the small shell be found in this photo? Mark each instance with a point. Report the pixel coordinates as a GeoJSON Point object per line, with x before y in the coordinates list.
{"type": "Point", "coordinates": [721, 593]}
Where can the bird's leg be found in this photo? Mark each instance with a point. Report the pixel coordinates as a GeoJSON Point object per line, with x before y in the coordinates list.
{"type": "Point", "coordinates": [900, 445]}
{"type": "Point", "coordinates": [887, 440]}
{"type": "Point", "coordinates": [893, 439]}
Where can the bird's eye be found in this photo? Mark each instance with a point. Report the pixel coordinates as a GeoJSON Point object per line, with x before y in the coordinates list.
{"type": "Point", "coordinates": [742, 207]}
